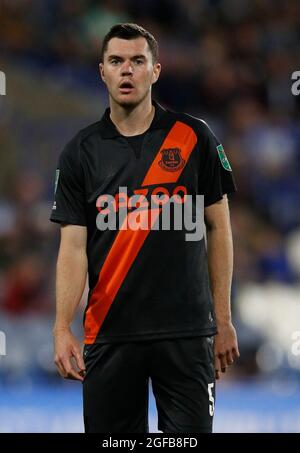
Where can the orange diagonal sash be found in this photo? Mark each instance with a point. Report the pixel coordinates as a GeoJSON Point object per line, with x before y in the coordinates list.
{"type": "Point", "coordinates": [128, 242]}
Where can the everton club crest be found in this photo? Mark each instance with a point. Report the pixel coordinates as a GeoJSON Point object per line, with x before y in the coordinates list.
{"type": "Point", "coordinates": [171, 159]}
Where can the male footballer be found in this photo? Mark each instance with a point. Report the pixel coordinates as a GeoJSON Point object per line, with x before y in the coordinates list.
{"type": "Point", "coordinates": [159, 303]}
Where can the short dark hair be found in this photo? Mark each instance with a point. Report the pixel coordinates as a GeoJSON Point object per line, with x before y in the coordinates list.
{"type": "Point", "coordinates": [130, 31]}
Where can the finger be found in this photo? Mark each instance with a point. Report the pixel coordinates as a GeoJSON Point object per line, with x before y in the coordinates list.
{"type": "Point", "coordinates": [217, 367]}
{"type": "Point", "coordinates": [82, 373]}
{"type": "Point", "coordinates": [229, 358]}
{"type": "Point", "coordinates": [235, 352]}
{"type": "Point", "coordinates": [79, 360]}
{"type": "Point", "coordinates": [72, 374]}
{"type": "Point", "coordinates": [223, 362]}
{"type": "Point", "coordinates": [60, 367]}
{"type": "Point", "coordinates": [61, 371]}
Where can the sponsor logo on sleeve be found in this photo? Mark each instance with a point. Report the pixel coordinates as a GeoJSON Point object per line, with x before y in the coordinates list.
{"type": "Point", "coordinates": [223, 158]}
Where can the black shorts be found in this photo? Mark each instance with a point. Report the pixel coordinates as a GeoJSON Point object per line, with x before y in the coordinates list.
{"type": "Point", "coordinates": [115, 388]}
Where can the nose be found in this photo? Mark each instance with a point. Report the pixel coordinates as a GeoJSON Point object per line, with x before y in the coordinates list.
{"type": "Point", "coordinates": [127, 68]}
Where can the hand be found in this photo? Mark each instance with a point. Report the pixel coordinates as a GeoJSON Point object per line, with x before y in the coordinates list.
{"type": "Point", "coordinates": [68, 358]}
{"type": "Point", "coordinates": [226, 347]}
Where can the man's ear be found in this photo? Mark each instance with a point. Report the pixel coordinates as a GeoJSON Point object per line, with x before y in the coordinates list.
{"type": "Point", "coordinates": [156, 72]}
{"type": "Point", "coordinates": [101, 70]}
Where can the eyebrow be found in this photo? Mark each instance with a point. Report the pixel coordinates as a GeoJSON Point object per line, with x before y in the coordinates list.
{"type": "Point", "coordinates": [111, 57]}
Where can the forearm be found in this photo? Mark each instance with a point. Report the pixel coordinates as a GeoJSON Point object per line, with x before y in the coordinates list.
{"type": "Point", "coordinates": [220, 264]}
{"type": "Point", "coordinates": [71, 272]}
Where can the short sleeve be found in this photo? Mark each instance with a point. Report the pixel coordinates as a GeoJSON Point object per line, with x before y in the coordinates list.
{"type": "Point", "coordinates": [215, 176]}
{"type": "Point", "coordinates": [69, 193]}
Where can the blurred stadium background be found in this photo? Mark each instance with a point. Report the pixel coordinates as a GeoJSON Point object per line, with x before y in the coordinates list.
{"type": "Point", "coordinates": [227, 61]}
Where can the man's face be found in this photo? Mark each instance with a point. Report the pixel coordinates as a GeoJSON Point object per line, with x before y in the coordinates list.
{"type": "Point", "coordinates": [128, 70]}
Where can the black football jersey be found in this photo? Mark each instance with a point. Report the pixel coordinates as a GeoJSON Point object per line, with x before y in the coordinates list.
{"type": "Point", "coordinates": [144, 283]}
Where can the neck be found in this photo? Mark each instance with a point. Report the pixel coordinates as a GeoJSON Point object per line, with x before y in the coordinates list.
{"type": "Point", "coordinates": [132, 121]}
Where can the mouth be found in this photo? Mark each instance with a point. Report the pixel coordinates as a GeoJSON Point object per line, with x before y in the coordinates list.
{"type": "Point", "coordinates": [126, 87]}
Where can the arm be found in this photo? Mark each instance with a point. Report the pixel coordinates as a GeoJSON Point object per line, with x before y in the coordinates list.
{"type": "Point", "coordinates": [220, 264]}
{"type": "Point", "coordinates": [71, 272]}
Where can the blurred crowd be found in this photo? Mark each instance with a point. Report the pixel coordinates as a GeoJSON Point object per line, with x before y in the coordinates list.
{"type": "Point", "coordinates": [227, 61]}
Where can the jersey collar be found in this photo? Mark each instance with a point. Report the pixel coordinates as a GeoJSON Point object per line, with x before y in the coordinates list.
{"type": "Point", "coordinates": [161, 120]}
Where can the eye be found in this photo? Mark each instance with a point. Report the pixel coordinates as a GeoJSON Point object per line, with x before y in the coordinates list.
{"type": "Point", "coordinates": [139, 61]}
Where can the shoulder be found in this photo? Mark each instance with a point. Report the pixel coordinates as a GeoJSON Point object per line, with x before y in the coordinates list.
{"type": "Point", "coordinates": [73, 147]}
{"type": "Point", "coordinates": [199, 125]}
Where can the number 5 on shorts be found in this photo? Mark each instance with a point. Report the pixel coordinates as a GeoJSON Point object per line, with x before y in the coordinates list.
{"type": "Point", "coordinates": [211, 399]}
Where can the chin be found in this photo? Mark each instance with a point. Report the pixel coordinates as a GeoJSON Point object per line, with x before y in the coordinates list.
{"type": "Point", "coordinates": [128, 102]}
